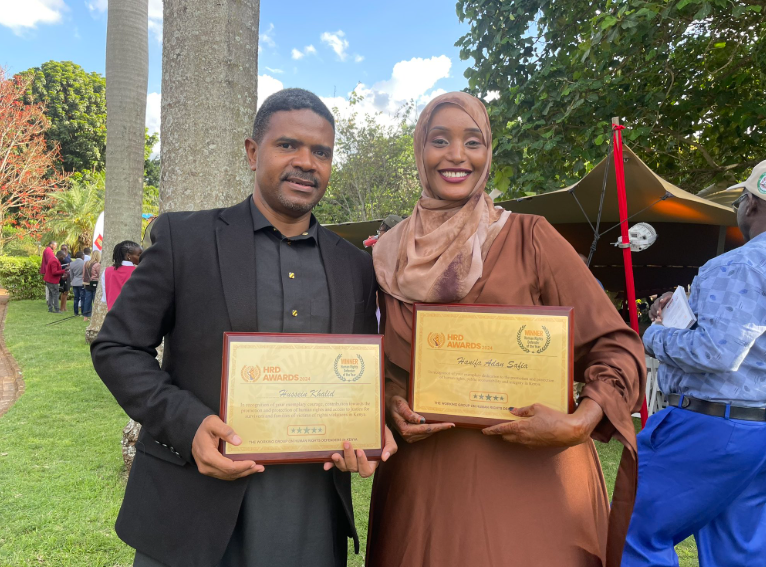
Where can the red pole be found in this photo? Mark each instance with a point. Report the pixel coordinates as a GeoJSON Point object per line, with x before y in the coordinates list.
{"type": "Point", "coordinates": [622, 200]}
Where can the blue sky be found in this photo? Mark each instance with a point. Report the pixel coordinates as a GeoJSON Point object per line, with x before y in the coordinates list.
{"type": "Point", "coordinates": [399, 50]}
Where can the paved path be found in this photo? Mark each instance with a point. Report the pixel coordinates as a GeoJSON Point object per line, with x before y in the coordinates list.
{"type": "Point", "coordinates": [11, 383]}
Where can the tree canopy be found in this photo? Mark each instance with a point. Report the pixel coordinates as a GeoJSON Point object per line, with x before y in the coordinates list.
{"type": "Point", "coordinates": [75, 103]}
{"type": "Point", "coordinates": [27, 167]}
{"type": "Point", "coordinates": [375, 173]}
{"type": "Point", "coordinates": [686, 77]}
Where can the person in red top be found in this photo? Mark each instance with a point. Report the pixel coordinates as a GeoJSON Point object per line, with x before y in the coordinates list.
{"type": "Point", "coordinates": [52, 277]}
{"type": "Point", "coordinates": [125, 257]}
{"type": "Point", "coordinates": [48, 253]}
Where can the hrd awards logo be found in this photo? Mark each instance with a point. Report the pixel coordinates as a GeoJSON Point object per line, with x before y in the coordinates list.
{"type": "Point", "coordinates": [436, 340]}
{"type": "Point", "coordinates": [349, 368]}
{"type": "Point", "coordinates": [533, 341]}
{"type": "Point", "coordinates": [251, 374]}
{"type": "Point", "coordinates": [452, 340]}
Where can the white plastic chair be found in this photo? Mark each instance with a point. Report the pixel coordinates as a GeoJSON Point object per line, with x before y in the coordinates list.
{"type": "Point", "coordinates": [655, 400]}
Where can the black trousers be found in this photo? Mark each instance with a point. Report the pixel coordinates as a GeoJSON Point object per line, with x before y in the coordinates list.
{"type": "Point", "coordinates": [291, 516]}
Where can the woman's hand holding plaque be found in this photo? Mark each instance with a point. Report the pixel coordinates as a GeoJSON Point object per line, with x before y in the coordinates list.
{"type": "Point", "coordinates": [546, 427]}
{"type": "Point", "coordinates": [411, 426]}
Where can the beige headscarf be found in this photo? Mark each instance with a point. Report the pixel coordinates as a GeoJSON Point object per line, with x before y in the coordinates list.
{"type": "Point", "coordinates": [438, 253]}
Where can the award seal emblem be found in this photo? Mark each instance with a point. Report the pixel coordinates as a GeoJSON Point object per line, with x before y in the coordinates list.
{"type": "Point", "coordinates": [349, 368]}
{"type": "Point", "coordinates": [251, 374]}
{"type": "Point", "coordinates": [436, 340]}
{"type": "Point", "coordinates": [533, 341]}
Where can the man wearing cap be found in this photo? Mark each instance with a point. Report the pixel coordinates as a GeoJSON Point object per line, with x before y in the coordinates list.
{"type": "Point", "coordinates": [702, 460]}
{"type": "Point", "coordinates": [388, 223]}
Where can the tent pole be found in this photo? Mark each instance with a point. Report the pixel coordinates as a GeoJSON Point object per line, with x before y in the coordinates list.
{"type": "Point", "coordinates": [721, 240]}
{"type": "Point", "coordinates": [630, 287]}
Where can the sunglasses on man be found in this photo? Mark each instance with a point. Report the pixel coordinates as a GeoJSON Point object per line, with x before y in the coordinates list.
{"type": "Point", "coordinates": [739, 200]}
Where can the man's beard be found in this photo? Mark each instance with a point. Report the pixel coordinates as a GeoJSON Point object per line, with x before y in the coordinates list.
{"type": "Point", "coordinates": [300, 208]}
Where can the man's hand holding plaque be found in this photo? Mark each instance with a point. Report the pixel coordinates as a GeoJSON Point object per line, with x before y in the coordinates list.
{"type": "Point", "coordinates": [209, 460]}
{"type": "Point", "coordinates": [357, 461]}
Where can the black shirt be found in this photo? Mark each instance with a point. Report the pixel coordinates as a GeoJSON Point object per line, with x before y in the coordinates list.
{"type": "Point", "coordinates": [291, 514]}
{"type": "Point", "coordinates": [290, 281]}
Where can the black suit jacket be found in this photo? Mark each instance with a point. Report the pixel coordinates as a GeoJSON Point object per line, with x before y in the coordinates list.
{"type": "Point", "coordinates": [196, 281]}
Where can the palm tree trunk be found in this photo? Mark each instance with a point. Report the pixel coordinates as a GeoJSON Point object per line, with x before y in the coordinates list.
{"type": "Point", "coordinates": [209, 89]}
{"type": "Point", "coordinates": [127, 76]}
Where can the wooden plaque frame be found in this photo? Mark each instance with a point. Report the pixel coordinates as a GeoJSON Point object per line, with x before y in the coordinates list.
{"type": "Point", "coordinates": [298, 456]}
{"type": "Point", "coordinates": [482, 422]}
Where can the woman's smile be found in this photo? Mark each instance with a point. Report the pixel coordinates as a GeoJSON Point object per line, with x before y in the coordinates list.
{"type": "Point", "coordinates": [455, 175]}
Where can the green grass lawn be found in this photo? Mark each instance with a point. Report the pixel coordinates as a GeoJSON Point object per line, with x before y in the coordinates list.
{"type": "Point", "coordinates": [61, 472]}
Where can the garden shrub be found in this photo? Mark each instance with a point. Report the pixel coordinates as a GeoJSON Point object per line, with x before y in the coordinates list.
{"type": "Point", "coordinates": [21, 277]}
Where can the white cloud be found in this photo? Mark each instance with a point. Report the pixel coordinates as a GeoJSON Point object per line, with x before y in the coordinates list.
{"type": "Point", "coordinates": [277, 71]}
{"type": "Point", "coordinates": [308, 50]}
{"type": "Point", "coordinates": [492, 95]}
{"type": "Point", "coordinates": [153, 111]}
{"type": "Point", "coordinates": [267, 85]}
{"type": "Point", "coordinates": [98, 5]}
{"type": "Point", "coordinates": [412, 80]}
{"type": "Point", "coordinates": [155, 27]}
{"type": "Point", "coordinates": [426, 98]}
{"type": "Point", "coordinates": [155, 9]}
{"type": "Point", "coordinates": [267, 37]}
{"type": "Point", "coordinates": [155, 19]}
{"type": "Point", "coordinates": [337, 42]}
{"type": "Point", "coordinates": [358, 58]}
{"type": "Point", "coordinates": [22, 16]}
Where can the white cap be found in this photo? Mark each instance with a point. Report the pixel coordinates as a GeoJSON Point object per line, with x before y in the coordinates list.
{"type": "Point", "coordinates": [756, 183]}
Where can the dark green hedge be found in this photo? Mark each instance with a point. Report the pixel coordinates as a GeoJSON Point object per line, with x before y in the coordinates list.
{"type": "Point", "coordinates": [21, 277]}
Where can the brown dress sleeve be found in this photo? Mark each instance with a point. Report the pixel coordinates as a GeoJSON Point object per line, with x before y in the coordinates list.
{"type": "Point", "coordinates": [609, 359]}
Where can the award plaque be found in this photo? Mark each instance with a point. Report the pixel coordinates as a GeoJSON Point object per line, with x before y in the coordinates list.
{"type": "Point", "coordinates": [298, 397]}
{"type": "Point", "coordinates": [470, 363]}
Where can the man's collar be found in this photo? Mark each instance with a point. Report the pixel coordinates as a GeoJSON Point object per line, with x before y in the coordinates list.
{"type": "Point", "coordinates": [260, 222]}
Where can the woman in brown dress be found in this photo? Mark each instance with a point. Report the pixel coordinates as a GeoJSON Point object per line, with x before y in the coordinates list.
{"type": "Point", "coordinates": [523, 493]}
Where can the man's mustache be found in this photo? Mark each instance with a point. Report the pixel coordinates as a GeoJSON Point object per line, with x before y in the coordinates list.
{"type": "Point", "coordinates": [302, 175]}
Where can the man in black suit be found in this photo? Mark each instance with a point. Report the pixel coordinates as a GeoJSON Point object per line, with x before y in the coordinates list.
{"type": "Point", "coordinates": [262, 265]}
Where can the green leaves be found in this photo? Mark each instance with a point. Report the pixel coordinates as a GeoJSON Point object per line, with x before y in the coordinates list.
{"type": "Point", "coordinates": [75, 103]}
{"type": "Point", "coordinates": [21, 277]}
{"type": "Point", "coordinates": [686, 76]}
{"type": "Point", "coordinates": [73, 212]}
{"type": "Point", "coordinates": [608, 22]}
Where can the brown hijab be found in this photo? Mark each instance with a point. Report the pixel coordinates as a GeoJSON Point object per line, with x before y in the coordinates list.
{"type": "Point", "coordinates": [437, 254]}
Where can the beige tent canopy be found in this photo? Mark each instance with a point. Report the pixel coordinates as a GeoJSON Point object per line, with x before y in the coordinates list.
{"type": "Point", "coordinates": [690, 229]}
{"type": "Point", "coordinates": [644, 190]}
